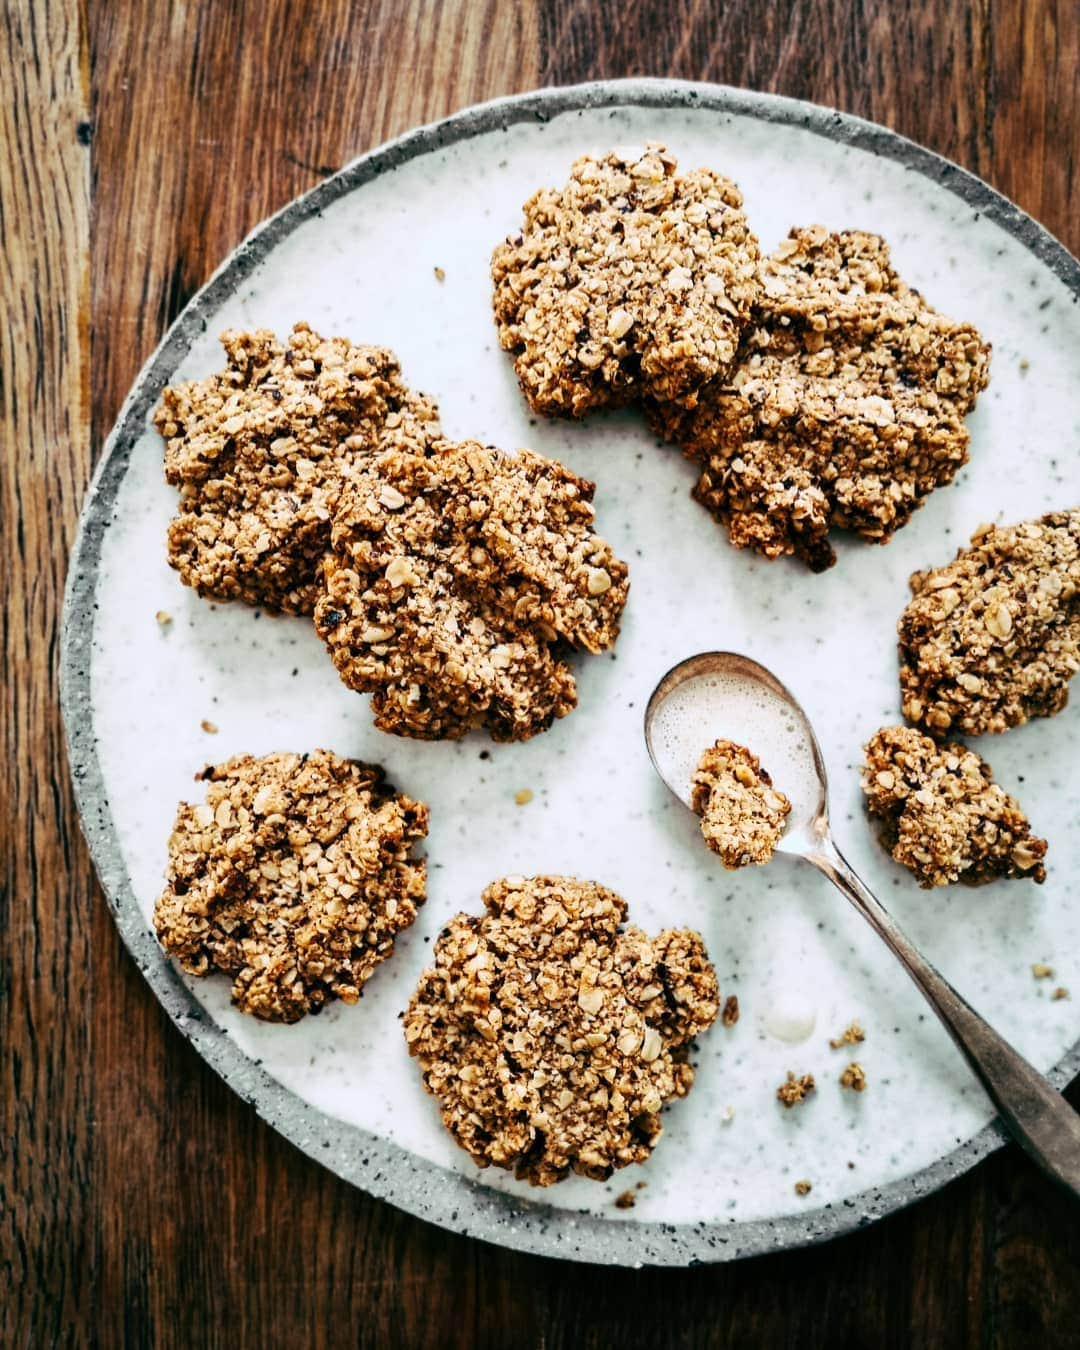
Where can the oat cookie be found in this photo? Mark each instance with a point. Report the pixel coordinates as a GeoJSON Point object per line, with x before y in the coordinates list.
{"type": "Point", "coordinates": [294, 876]}
{"type": "Point", "coordinates": [742, 814]}
{"type": "Point", "coordinates": [942, 815]}
{"type": "Point", "coordinates": [993, 637]}
{"type": "Point", "coordinates": [257, 452]}
{"type": "Point", "coordinates": [458, 585]}
{"type": "Point", "coordinates": [845, 406]}
{"type": "Point", "coordinates": [551, 1036]}
{"type": "Point", "coordinates": [630, 280]}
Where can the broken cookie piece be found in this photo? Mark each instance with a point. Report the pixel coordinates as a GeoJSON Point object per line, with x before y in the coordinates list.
{"type": "Point", "coordinates": [551, 1036]}
{"type": "Point", "coordinates": [941, 814]}
{"type": "Point", "coordinates": [742, 814]}
{"type": "Point", "coordinates": [257, 452]}
{"type": "Point", "coordinates": [460, 582]}
{"type": "Point", "coordinates": [993, 638]}
{"type": "Point", "coordinates": [845, 406]}
{"type": "Point", "coordinates": [294, 876]}
{"type": "Point", "coordinates": [632, 279]}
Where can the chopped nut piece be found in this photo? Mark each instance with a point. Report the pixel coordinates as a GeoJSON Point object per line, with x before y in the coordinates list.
{"type": "Point", "coordinates": [1059, 993]}
{"type": "Point", "coordinates": [844, 410]}
{"type": "Point", "coordinates": [523, 796]}
{"type": "Point", "coordinates": [440, 274]}
{"type": "Point", "coordinates": [626, 1201]}
{"type": "Point", "coordinates": [794, 1090]}
{"type": "Point", "coordinates": [293, 877]}
{"type": "Point", "coordinates": [459, 607]}
{"type": "Point", "coordinates": [944, 818]}
{"type": "Point", "coordinates": [730, 1015]}
{"type": "Point", "coordinates": [632, 279]}
{"type": "Point", "coordinates": [526, 1077]}
{"type": "Point", "coordinates": [852, 1034]}
{"type": "Point", "coordinates": [1042, 972]}
{"type": "Point", "coordinates": [209, 727]}
{"type": "Point", "coordinates": [853, 1078]}
{"type": "Point", "coordinates": [803, 1188]}
{"type": "Point", "coordinates": [164, 618]}
{"type": "Point", "coordinates": [258, 451]}
{"type": "Point", "coordinates": [742, 815]}
{"type": "Point", "coordinates": [1006, 648]}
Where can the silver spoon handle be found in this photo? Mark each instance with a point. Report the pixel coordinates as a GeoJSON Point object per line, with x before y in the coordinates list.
{"type": "Point", "coordinates": [1040, 1119]}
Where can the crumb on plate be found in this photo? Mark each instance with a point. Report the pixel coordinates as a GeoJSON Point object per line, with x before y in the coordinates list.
{"type": "Point", "coordinates": [792, 1091]}
{"type": "Point", "coordinates": [852, 1034]}
{"type": "Point", "coordinates": [854, 1077]}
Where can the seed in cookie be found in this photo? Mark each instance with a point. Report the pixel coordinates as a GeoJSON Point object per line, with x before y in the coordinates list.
{"type": "Point", "coordinates": [742, 814]}
{"type": "Point", "coordinates": [993, 638]}
{"type": "Point", "coordinates": [257, 451]}
{"type": "Point", "coordinates": [845, 406]}
{"type": "Point", "coordinates": [632, 279]}
{"type": "Point", "coordinates": [459, 583]}
{"type": "Point", "coordinates": [294, 876]}
{"type": "Point", "coordinates": [942, 815]}
{"type": "Point", "coordinates": [551, 1035]}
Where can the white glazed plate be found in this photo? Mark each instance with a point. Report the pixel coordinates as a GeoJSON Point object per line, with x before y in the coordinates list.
{"type": "Point", "coordinates": [357, 256]}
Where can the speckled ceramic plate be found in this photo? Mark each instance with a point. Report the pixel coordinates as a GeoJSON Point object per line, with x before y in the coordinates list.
{"type": "Point", "coordinates": [357, 256]}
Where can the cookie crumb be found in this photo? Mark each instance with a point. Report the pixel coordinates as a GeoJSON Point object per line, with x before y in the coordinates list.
{"type": "Point", "coordinates": [730, 1015]}
{"type": "Point", "coordinates": [853, 1078]}
{"type": "Point", "coordinates": [440, 274]}
{"type": "Point", "coordinates": [851, 1035]}
{"type": "Point", "coordinates": [1059, 993]}
{"type": "Point", "coordinates": [523, 796]}
{"type": "Point", "coordinates": [728, 1115]}
{"type": "Point", "coordinates": [626, 1201]}
{"type": "Point", "coordinates": [794, 1090]}
{"type": "Point", "coordinates": [209, 727]}
{"type": "Point", "coordinates": [803, 1188]}
{"type": "Point", "coordinates": [1041, 971]}
{"type": "Point", "coordinates": [164, 618]}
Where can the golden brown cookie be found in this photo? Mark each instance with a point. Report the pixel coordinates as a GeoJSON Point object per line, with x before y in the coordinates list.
{"type": "Point", "coordinates": [294, 876]}
{"type": "Point", "coordinates": [257, 451]}
{"type": "Point", "coordinates": [459, 582]}
{"type": "Point", "coordinates": [942, 815]}
{"type": "Point", "coordinates": [551, 1036]}
{"type": "Point", "coordinates": [844, 408]}
{"type": "Point", "coordinates": [632, 279]}
{"type": "Point", "coordinates": [742, 814]}
{"type": "Point", "coordinates": [993, 637]}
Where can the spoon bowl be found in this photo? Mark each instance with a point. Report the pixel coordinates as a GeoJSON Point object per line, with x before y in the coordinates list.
{"type": "Point", "coordinates": [727, 695]}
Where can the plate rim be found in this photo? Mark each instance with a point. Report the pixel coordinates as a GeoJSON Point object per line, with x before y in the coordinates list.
{"type": "Point", "coordinates": [427, 1190]}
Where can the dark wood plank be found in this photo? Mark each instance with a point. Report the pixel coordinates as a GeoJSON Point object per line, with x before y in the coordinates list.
{"type": "Point", "coordinates": [140, 1202]}
{"type": "Point", "coordinates": [46, 886]}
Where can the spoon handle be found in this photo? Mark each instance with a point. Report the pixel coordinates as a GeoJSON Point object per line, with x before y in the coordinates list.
{"type": "Point", "coordinates": [1038, 1117]}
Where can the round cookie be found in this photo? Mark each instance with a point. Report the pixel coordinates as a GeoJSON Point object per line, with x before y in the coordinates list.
{"type": "Point", "coordinates": [845, 406]}
{"type": "Point", "coordinates": [550, 1036]}
{"type": "Point", "coordinates": [294, 876]}
{"type": "Point", "coordinates": [458, 584]}
{"type": "Point", "coordinates": [631, 280]}
{"type": "Point", "coordinates": [257, 451]}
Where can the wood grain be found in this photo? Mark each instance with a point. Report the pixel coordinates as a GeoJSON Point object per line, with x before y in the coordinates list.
{"type": "Point", "coordinates": [140, 1202]}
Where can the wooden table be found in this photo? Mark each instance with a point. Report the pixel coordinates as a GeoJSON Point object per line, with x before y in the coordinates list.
{"type": "Point", "coordinates": [140, 1201]}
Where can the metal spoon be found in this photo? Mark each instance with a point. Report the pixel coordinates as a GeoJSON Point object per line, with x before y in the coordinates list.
{"type": "Point", "coordinates": [1040, 1119]}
